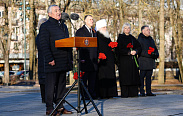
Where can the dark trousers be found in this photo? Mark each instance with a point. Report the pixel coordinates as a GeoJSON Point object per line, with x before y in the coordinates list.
{"type": "Point", "coordinates": [55, 87]}
{"type": "Point", "coordinates": [129, 91]}
{"type": "Point", "coordinates": [89, 79]}
{"type": "Point", "coordinates": [41, 77]}
{"type": "Point", "coordinates": [147, 74]}
{"type": "Point", "coordinates": [42, 89]}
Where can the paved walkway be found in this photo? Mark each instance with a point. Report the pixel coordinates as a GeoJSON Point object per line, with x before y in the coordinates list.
{"type": "Point", "coordinates": [26, 101]}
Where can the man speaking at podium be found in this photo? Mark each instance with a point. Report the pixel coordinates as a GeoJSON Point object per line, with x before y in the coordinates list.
{"type": "Point", "coordinates": [57, 60]}
{"type": "Point", "coordinates": [88, 56]}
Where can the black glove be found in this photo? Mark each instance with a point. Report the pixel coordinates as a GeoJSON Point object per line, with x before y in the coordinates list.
{"type": "Point", "coordinates": [154, 55]}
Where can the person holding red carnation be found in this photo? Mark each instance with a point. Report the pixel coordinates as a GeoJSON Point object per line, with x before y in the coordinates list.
{"type": "Point", "coordinates": [107, 87]}
{"type": "Point", "coordinates": [147, 60]}
{"type": "Point", "coordinates": [127, 51]}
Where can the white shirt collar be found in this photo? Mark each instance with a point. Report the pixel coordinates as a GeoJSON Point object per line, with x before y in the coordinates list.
{"type": "Point", "coordinates": [88, 28]}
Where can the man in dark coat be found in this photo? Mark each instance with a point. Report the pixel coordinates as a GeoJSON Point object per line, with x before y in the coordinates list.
{"type": "Point", "coordinates": [41, 74]}
{"type": "Point", "coordinates": [88, 56]}
{"type": "Point", "coordinates": [57, 60]}
{"type": "Point", "coordinates": [107, 87]}
{"type": "Point", "coordinates": [146, 59]}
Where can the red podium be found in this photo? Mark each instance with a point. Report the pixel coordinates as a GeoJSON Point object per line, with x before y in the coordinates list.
{"type": "Point", "coordinates": [78, 42]}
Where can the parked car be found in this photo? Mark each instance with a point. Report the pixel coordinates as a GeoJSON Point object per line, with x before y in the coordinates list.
{"type": "Point", "coordinates": [11, 73]}
{"type": "Point", "coordinates": [20, 74]}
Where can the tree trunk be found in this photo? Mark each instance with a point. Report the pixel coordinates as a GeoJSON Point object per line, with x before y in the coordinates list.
{"type": "Point", "coordinates": [179, 26]}
{"type": "Point", "coordinates": [58, 2]}
{"type": "Point", "coordinates": [6, 42]}
{"type": "Point", "coordinates": [46, 5]}
{"type": "Point", "coordinates": [178, 44]}
{"type": "Point", "coordinates": [140, 16]}
{"type": "Point", "coordinates": [66, 6]}
{"type": "Point", "coordinates": [6, 67]}
{"type": "Point", "coordinates": [121, 15]}
{"type": "Point", "coordinates": [32, 41]}
{"type": "Point", "coordinates": [179, 48]}
{"type": "Point", "coordinates": [162, 46]}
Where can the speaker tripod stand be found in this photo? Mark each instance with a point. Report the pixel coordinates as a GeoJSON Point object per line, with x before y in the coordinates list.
{"type": "Point", "coordinates": [81, 89]}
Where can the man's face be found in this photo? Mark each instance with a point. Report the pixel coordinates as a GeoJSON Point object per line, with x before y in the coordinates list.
{"type": "Point", "coordinates": [55, 13]}
{"type": "Point", "coordinates": [146, 31]}
{"type": "Point", "coordinates": [103, 29]}
{"type": "Point", "coordinates": [89, 21]}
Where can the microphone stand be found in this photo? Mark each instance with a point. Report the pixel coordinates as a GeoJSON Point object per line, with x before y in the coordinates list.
{"type": "Point", "coordinates": [73, 27]}
{"type": "Point", "coordinates": [81, 89]}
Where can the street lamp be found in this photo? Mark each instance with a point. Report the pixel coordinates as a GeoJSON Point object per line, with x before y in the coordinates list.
{"type": "Point", "coordinates": [24, 19]}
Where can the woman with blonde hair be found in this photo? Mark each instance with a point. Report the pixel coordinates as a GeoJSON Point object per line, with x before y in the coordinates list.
{"type": "Point", "coordinates": [127, 51]}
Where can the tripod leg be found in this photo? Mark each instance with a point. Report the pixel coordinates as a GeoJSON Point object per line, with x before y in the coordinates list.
{"type": "Point", "coordinates": [79, 111]}
{"type": "Point", "coordinates": [82, 94]}
{"type": "Point", "coordinates": [90, 98]}
{"type": "Point", "coordinates": [64, 97]}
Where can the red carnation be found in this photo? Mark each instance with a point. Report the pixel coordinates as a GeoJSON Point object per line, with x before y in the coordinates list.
{"type": "Point", "coordinates": [76, 75]}
{"type": "Point", "coordinates": [113, 44]}
{"type": "Point", "coordinates": [102, 56]}
{"type": "Point", "coordinates": [82, 73]}
{"type": "Point", "coordinates": [150, 50]}
{"type": "Point", "coordinates": [130, 45]}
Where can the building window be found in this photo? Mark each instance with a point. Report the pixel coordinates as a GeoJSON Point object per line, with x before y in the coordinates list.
{"type": "Point", "coordinates": [14, 35]}
{"type": "Point", "coordinates": [1, 13]}
{"type": "Point", "coordinates": [15, 46]}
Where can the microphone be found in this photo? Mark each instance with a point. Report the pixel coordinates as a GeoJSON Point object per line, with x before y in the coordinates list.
{"type": "Point", "coordinates": [74, 16]}
{"type": "Point", "coordinates": [64, 16]}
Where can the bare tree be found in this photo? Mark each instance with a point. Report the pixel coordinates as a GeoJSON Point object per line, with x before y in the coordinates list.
{"type": "Point", "coordinates": [140, 16]}
{"type": "Point", "coordinates": [179, 46]}
{"type": "Point", "coordinates": [5, 41]}
{"type": "Point", "coordinates": [32, 35]}
{"type": "Point", "coordinates": [174, 13]}
{"type": "Point", "coordinates": [162, 44]}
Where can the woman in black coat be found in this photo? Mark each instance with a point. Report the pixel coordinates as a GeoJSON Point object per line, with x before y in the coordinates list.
{"type": "Point", "coordinates": [127, 51]}
{"type": "Point", "coordinates": [41, 73]}
{"type": "Point", "coordinates": [107, 87]}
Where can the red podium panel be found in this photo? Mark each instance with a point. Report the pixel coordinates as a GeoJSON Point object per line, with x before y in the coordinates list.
{"type": "Point", "coordinates": [77, 42]}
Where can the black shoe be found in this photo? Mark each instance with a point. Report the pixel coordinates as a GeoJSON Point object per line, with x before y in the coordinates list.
{"type": "Point", "coordinates": [150, 94]}
{"type": "Point", "coordinates": [143, 95]}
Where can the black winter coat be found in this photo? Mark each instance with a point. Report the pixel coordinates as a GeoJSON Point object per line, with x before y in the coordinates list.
{"type": "Point", "coordinates": [128, 71]}
{"type": "Point", "coordinates": [41, 74]}
{"type": "Point", "coordinates": [106, 78]}
{"type": "Point", "coordinates": [49, 32]}
{"type": "Point", "coordinates": [146, 62]}
{"type": "Point", "coordinates": [40, 56]}
{"type": "Point", "coordinates": [89, 54]}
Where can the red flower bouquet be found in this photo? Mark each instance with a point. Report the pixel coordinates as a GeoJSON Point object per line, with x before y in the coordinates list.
{"type": "Point", "coordinates": [150, 50]}
{"type": "Point", "coordinates": [102, 56]}
{"type": "Point", "coordinates": [113, 44]}
{"type": "Point", "coordinates": [131, 46]}
{"type": "Point", "coordinates": [76, 75]}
